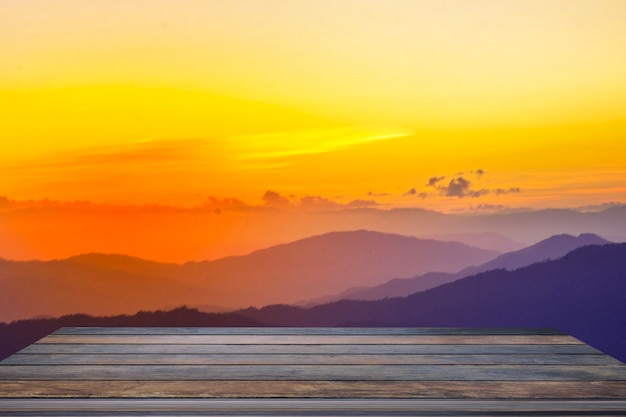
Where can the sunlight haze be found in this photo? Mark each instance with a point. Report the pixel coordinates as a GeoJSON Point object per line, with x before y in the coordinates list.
{"type": "Point", "coordinates": [447, 105]}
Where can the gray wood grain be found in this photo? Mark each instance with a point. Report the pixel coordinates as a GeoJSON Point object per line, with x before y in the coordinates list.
{"type": "Point", "coordinates": [309, 339]}
{"type": "Point", "coordinates": [305, 359]}
{"type": "Point", "coordinates": [366, 331]}
{"type": "Point", "coordinates": [315, 389]}
{"type": "Point", "coordinates": [315, 372]}
{"type": "Point", "coordinates": [382, 349]}
{"type": "Point", "coordinates": [315, 407]}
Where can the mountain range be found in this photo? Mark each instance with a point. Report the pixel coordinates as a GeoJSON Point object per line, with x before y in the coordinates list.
{"type": "Point", "coordinates": [180, 235]}
{"type": "Point", "coordinates": [313, 267]}
{"type": "Point", "coordinates": [551, 248]}
{"type": "Point", "coordinates": [526, 227]}
{"type": "Point", "coordinates": [484, 240]}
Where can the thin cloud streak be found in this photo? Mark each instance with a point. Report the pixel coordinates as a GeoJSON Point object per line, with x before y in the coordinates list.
{"type": "Point", "coordinates": [255, 150]}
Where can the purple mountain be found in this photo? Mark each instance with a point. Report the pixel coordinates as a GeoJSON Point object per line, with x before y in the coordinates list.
{"type": "Point", "coordinates": [551, 248]}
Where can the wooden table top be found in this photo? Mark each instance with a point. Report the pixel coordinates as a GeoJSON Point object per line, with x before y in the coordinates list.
{"type": "Point", "coordinates": [311, 371]}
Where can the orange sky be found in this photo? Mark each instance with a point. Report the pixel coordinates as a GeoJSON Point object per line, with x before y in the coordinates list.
{"type": "Point", "coordinates": [495, 103]}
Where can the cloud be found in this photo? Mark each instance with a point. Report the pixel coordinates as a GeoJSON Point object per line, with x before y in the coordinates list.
{"type": "Point", "coordinates": [361, 203]}
{"type": "Point", "coordinates": [321, 203]}
{"type": "Point", "coordinates": [600, 207]}
{"type": "Point", "coordinates": [270, 199]}
{"type": "Point", "coordinates": [6, 203]}
{"type": "Point", "coordinates": [499, 191]}
{"type": "Point", "coordinates": [218, 205]}
{"type": "Point", "coordinates": [286, 144]}
{"type": "Point", "coordinates": [372, 194]}
{"type": "Point", "coordinates": [311, 203]}
{"type": "Point", "coordinates": [165, 171]}
{"type": "Point", "coordinates": [142, 153]}
{"type": "Point", "coordinates": [487, 208]}
{"type": "Point", "coordinates": [413, 192]}
{"type": "Point", "coordinates": [46, 204]}
{"type": "Point", "coordinates": [316, 202]}
{"type": "Point", "coordinates": [273, 199]}
{"type": "Point", "coordinates": [490, 207]}
{"type": "Point", "coordinates": [460, 187]}
{"type": "Point", "coordinates": [432, 181]}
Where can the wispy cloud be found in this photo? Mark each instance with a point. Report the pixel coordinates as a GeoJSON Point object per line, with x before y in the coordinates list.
{"type": "Point", "coordinates": [432, 181]}
{"type": "Point", "coordinates": [252, 150]}
{"type": "Point", "coordinates": [217, 205]}
{"type": "Point", "coordinates": [489, 207]}
{"type": "Point", "coordinates": [151, 170]}
{"type": "Point", "coordinates": [149, 152]}
{"type": "Point", "coordinates": [373, 194]}
{"type": "Point", "coordinates": [500, 191]}
{"type": "Point", "coordinates": [311, 203]}
{"type": "Point", "coordinates": [600, 207]}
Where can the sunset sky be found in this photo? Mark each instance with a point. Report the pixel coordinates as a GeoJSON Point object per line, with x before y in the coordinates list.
{"type": "Point", "coordinates": [449, 105]}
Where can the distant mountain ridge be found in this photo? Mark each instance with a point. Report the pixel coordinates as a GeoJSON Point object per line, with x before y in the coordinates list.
{"type": "Point", "coordinates": [523, 226]}
{"type": "Point", "coordinates": [339, 260]}
{"type": "Point", "coordinates": [484, 240]}
{"type": "Point", "coordinates": [116, 284]}
{"type": "Point", "coordinates": [55, 288]}
{"type": "Point", "coordinates": [125, 263]}
{"type": "Point", "coordinates": [552, 248]}
{"type": "Point", "coordinates": [182, 234]}
{"type": "Point", "coordinates": [582, 293]}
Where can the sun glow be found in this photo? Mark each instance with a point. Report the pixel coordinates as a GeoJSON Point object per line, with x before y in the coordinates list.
{"type": "Point", "coordinates": [326, 105]}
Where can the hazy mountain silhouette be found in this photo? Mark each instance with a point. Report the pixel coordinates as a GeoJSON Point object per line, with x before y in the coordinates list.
{"type": "Point", "coordinates": [116, 284]}
{"type": "Point", "coordinates": [551, 248]}
{"type": "Point", "coordinates": [554, 247]}
{"type": "Point", "coordinates": [524, 226]}
{"type": "Point", "coordinates": [485, 240]}
{"type": "Point", "coordinates": [92, 284]}
{"type": "Point", "coordinates": [582, 293]}
{"type": "Point", "coordinates": [126, 264]}
{"type": "Point", "coordinates": [180, 234]}
{"type": "Point", "coordinates": [334, 261]}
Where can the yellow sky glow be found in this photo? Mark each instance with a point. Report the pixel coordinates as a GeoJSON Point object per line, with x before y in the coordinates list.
{"type": "Point", "coordinates": [173, 101]}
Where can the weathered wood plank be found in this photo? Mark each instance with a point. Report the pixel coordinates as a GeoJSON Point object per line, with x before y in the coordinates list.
{"type": "Point", "coordinates": [329, 372]}
{"type": "Point", "coordinates": [79, 349]}
{"type": "Point", "coordinates": [315, 372]}
{"type": "Point", "coordinates": [363, 331]}
{"type": "Point", "coordinates": [309, 359]}
{"type": "Point", "coordinates": [315, 389]}
{"type": "Point", "coordinates": [314, 407]}
{"type": "Point", "coordinates": [309, 339]}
